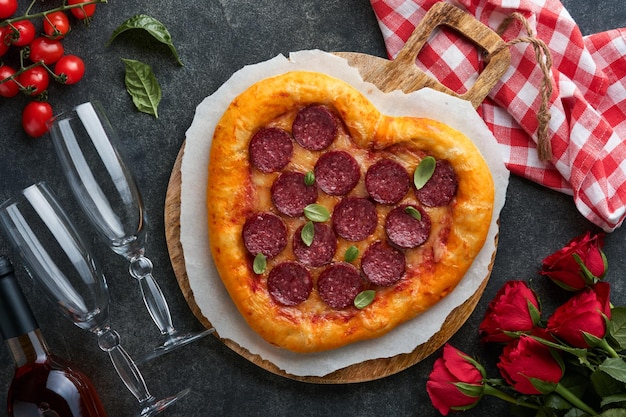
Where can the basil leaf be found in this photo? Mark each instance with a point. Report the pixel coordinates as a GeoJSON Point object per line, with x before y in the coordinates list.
{"type": "Point", "coordinates": [142, 86]}
{"type": "Point", "coordinates": [413, 212]}
{"type": "Point", "coordinates": [316, 213]}
{"type": "Point", "coordinates": [308, 233]}
{"type": "Point", "coordinates": [150, 25]}
{"type": "Point", "coordinates": [364, 298]}
{"type": "Point", "coordinates": [259, 264]}
{"type": "Point", "coordinates": [351, 253]}
{"type": "Point", "coordinates": [309, 178]}
{"type": "Point", "coordinates": [424, 171]}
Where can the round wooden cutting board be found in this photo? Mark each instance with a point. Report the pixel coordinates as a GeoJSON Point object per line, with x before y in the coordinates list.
{"type": "Point", "coordinates": [402, 74]}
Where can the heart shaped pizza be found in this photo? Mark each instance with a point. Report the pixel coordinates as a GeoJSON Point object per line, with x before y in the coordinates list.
{"type": "Point", "coordinates": [330, 222]}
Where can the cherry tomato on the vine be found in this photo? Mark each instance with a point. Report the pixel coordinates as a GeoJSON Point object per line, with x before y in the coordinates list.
{"type": "Point", "coordinates": [47, 50]}
{"type": "Point", "coordinates": [35, 80]}
{"type": "Point", "coordinates": [56, 25]}
{"type": "Point", "coordinates": [5, 43]}
{"type": "Point", "coordinates": [8, 88]}
{"type": "Point", "coordinates": [35, 117]}
{"type": "Point", "coordinates": [82, 12]}
{"type": "Point", "coordinates": [23, 32]}
{"type": "Point", "coordinates": [7, 8]}
{"type": "Point", "coordinates": [70, 69]}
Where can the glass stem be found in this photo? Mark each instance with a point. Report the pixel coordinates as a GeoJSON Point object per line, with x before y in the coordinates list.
{"type": "Point", "coordinates": [109, 341]}
{"type": "Point", "coordinates": [141, 269]}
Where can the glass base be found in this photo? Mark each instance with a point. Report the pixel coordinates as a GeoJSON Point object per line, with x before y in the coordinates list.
{"type": "Point", "coordinates": [155, 407]}
{"type": "Point", "coordinates": [173, 342]}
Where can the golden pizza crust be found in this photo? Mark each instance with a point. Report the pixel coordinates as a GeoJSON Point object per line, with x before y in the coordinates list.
{"type": "Point", "coordinates": [234, 193]}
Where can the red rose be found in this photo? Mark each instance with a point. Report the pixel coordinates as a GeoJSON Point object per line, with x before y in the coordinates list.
{"type": "Point", "coordinates": [514, 309]}
{"type": "Point", "coordinates": [524, 359]}
{"type": "Point", "coordinates": [579, 263]}
{"type": "Point", "coordinates": [455, 382]}
{"type": "Point", "coordinates": [584, 312]}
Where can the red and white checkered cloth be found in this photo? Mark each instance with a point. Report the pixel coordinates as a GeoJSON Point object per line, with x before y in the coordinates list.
{"type": "Point", "coordinates": [587, 129]}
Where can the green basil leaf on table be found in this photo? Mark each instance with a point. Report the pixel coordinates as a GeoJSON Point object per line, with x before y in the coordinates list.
{"type": "Point", "coordinates": [150, 25]}
{"type": "Point", "coordinates": [142, 86]}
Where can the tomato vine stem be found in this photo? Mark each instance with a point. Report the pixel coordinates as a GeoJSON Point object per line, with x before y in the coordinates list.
{"type": "Point", "coordinates": [28, 16]}
{"type": "Point", "coordinates": [23, 68]}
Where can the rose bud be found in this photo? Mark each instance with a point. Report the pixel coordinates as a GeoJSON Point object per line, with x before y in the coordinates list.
{"type": "Point", "coordinates": [524, 360]}
{"type": "Point", "coordinates": [584, 312]}
{"type": "Point", "coordinates": [455, 382]}
{"type": "Point", "coordinates": [514, 309]}
{"type": "Point", "coordinates": [580, 263]}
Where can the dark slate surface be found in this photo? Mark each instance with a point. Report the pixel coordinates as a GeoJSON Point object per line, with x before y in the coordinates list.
{"type": "Point", "coordinates": [214, 39]}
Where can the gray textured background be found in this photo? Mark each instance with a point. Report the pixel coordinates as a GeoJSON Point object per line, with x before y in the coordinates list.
{"type": "Point", "coordinates": [214, 39]}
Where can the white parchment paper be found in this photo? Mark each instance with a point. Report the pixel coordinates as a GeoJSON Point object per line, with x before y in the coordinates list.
{"type": "Point", "coordinates": [208, 290]}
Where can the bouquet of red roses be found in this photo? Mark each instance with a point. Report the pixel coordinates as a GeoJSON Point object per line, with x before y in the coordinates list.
{"type": "Point", "coordinates": [566, 365]}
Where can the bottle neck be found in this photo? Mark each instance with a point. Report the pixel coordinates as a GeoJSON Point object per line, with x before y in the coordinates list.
{"type": "Point", "coordinates": [28, 348]}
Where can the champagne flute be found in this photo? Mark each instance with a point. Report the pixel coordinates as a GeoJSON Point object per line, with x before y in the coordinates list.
{"type": "Point", "coordinates": [106, 190]}
{"type": "Point", "coordinates": [58, 260]}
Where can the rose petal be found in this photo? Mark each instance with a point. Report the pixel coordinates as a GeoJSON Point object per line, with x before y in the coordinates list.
{"type": "Point", "coordinates": [526, 358]}
{"type": "Point", "coordinates": [463, 370]}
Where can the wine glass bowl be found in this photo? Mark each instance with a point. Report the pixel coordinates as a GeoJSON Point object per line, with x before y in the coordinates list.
{"type": "Point", "coordinates": [102, 184]}
{"type": "Point", "coordinates": [83, 299]}
{"type": "Point", "coordinates": [58, 260]}
{"type": "Point", "coordinates": [84, 141]}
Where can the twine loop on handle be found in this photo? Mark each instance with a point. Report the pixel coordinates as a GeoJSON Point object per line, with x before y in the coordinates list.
{"type": "Point", "coordinates": [544, 60]}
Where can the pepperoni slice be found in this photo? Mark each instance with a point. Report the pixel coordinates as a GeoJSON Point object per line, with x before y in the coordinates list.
{"type": "Point", "coordinates": [387, 182]}
{"type": "Point", "coordinates": [404, 230]}
{"type": "Point", "coordinates": [270, 149]}
{"type": "Point", "coordinates": [289, 283]}
{"type": "Point", "coordinates": [322, 248]}
{"type": "Point", "coordinates": [339, 284]}
{"type": "Point", "coordinates": [440, 188]}
{"type": "Point", "coordinates": [337, 172]}
{"type": "Point", "coordinates": [264, 233]}
{"type": "Point", "coordinates": [383, 264]}
{"type": "Point", "coordinates": [291, 195]}
{"type": "Point", "coordinates": [354, 218]}
{"type": "Point", "coordinates": [314, 128]}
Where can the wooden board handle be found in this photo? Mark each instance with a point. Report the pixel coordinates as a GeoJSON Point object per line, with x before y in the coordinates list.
{"type": "Point", "coordinates": [403, 74]}
{"type": "Point", "coordinates": [445, 14]}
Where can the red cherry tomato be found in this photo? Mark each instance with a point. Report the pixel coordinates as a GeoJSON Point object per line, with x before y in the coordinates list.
{"type": "Point", "coordinates": [5, 42]}
{"type": "Point", "coordinates": [47, 50]}
{"type": "Point", "coordinates": [34, 80]}
{"type": "Point", "coordinates": [56, 25]}
{"type": "Point", "coordinates": [70, 69]}
{"type": "Point", "coordinates": [35, 118]}
{"type": "Point", "coordinates": [8, 88]}
{"type": "Point", "coordinates": [23, 32]}
{"type": "Point", "coordinates": [7, 8]}
{"type": "Point", "coordinates": [82, 12]}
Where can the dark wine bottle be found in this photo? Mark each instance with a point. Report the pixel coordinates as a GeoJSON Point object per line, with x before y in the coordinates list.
{"type": "Point", "coordinates": [43, 384]}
